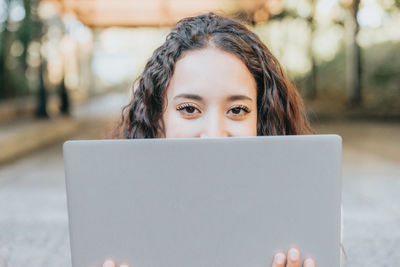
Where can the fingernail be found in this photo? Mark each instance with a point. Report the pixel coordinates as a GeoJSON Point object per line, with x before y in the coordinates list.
{"type": "Point", "coordinates": [293, 254]}
{"type": "Point", "coordinates": [279, 258]}
{"type": "Point", "coordinates": [108, 263]}
{"type": "Point", "coordinates": [309, 263]}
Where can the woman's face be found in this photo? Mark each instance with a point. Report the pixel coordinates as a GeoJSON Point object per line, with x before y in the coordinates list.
{"type": "Point", "coordinates": [211, 94]}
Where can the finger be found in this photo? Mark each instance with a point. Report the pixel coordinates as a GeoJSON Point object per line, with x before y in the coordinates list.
{"type": "Point", "coordinates": [108, 263]}
{"type": "Point", "coordinates": [309, 263]}
{"type": "Point", "coordinates": [279, 260]}
{"type": "Point", "coordinates": [124, 265]}
{"type": "Point", "coordinates": [293, 258]}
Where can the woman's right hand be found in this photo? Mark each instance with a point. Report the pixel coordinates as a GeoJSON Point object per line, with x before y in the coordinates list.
{"type": "Point", "coordinates": [291, 260]}
{"type": "Point", "coordinates": [280, 260]}
{"type": "Point", "coordinates": [110, 263]}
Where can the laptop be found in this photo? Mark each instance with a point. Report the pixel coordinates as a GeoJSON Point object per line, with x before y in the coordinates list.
{"type": "Point", "coordinates": [195, 202]}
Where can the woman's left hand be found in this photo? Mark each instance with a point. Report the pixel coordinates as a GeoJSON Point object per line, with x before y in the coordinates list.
{"type": "Point", "coordinates": [292, 259]}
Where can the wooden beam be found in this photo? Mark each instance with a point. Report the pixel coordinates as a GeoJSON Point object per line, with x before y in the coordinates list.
{"type": "Point", "coordinates": [105, 13]}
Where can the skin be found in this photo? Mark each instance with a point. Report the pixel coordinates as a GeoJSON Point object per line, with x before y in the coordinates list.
{"type": "Point", "coordinates": [213, 94]}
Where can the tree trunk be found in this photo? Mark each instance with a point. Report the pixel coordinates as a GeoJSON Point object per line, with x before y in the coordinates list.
{"type": "Point", "coordinates": [311, 91]}
{"type": "Point", "coordinates": [63, 93]}
{"type": "Point", "coordinates": [354, 63]}
{"type": "Point", "coordinates": [41, 109]}
{"type": "Point", "coordinates": [7, 79]}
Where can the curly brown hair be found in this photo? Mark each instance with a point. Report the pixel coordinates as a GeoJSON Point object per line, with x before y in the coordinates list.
{"type": "Point", "coordinates": [280, 109]}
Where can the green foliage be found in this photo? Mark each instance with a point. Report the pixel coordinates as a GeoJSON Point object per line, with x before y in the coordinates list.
{"type": "Point", "coordinates": [13, 81]}
{"type": "Point", "coordinates": [380, 77]}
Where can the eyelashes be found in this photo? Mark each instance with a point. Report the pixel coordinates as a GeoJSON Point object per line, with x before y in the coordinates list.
{"type": "Point", "coordinates": [239, 108]}
{"type": "Point", "coordinates": [190, 109]}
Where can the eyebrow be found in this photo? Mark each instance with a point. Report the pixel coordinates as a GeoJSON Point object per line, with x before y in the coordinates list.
{"type": "Point", "coordinates": [199, 98]}
{"type": "Point", "coordinates": [239, 97]}
{"type": "Point", "coordinates": [189, 96]}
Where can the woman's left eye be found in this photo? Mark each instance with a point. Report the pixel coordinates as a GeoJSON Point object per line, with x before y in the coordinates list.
{"type": "Point", "coordinates": [239, 110]}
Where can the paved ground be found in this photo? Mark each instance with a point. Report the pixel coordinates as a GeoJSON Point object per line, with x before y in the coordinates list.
{"type": "Point", "coordinates": [33, 216]}
{"type": "Point", "coordinates": [371, 191]}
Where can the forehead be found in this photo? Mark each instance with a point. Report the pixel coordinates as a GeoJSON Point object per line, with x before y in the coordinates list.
{"type": "Point", "coordinates": [211, 72]}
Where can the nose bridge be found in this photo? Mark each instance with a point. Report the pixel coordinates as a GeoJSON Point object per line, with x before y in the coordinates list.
{"type": "Point", "coordinates": [213, 125]}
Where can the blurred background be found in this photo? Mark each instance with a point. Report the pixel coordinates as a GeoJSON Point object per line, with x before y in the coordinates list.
{"type": "Point", "coordinates": [66, 68]}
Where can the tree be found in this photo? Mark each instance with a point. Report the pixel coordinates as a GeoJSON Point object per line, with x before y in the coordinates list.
{"type": "Point", "coordinates": [311, 92]}
{"type": "Point", "coordinates": [354, 60]}
{"type": "Point", "coordinates": [7, 82]}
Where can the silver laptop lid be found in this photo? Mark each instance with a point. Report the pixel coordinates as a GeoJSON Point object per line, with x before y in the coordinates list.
{"type": "Point", "coordinates": [204, 202]}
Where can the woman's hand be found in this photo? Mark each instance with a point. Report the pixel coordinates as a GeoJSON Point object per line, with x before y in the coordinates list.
{"type": "Point", "coordinates": [280, 260]}
{"type": "Point", "coordinates": [292, 259]}
{"type": "Point", "coordinates": [110, 263]}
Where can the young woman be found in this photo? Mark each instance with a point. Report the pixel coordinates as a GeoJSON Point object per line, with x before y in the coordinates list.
{"type": "Point", "coordinates": [213, 77]}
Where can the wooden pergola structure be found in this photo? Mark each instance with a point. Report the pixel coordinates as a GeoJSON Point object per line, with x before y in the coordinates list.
{"type": "Point", "coordinates": [133, 13]}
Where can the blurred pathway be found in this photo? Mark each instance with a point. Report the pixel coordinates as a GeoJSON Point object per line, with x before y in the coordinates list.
{"type": "Point", "coordinates": [22, 136]}
{"type": "Point", "coordinates": [33, 215]}
{"type": "Point", "coordinates": [371, 191]}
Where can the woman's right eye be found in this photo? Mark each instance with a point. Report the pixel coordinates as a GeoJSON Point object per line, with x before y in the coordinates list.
{"type": "Point", "coordinates": [188, 109]}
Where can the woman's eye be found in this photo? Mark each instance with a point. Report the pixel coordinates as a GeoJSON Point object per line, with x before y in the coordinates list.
{"type": "Point", "coordinates": [239, 110]}
{"type": "Point", "coordinates": [236, 110]}
{"type": "Point", "coordinates": [188, 109]}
